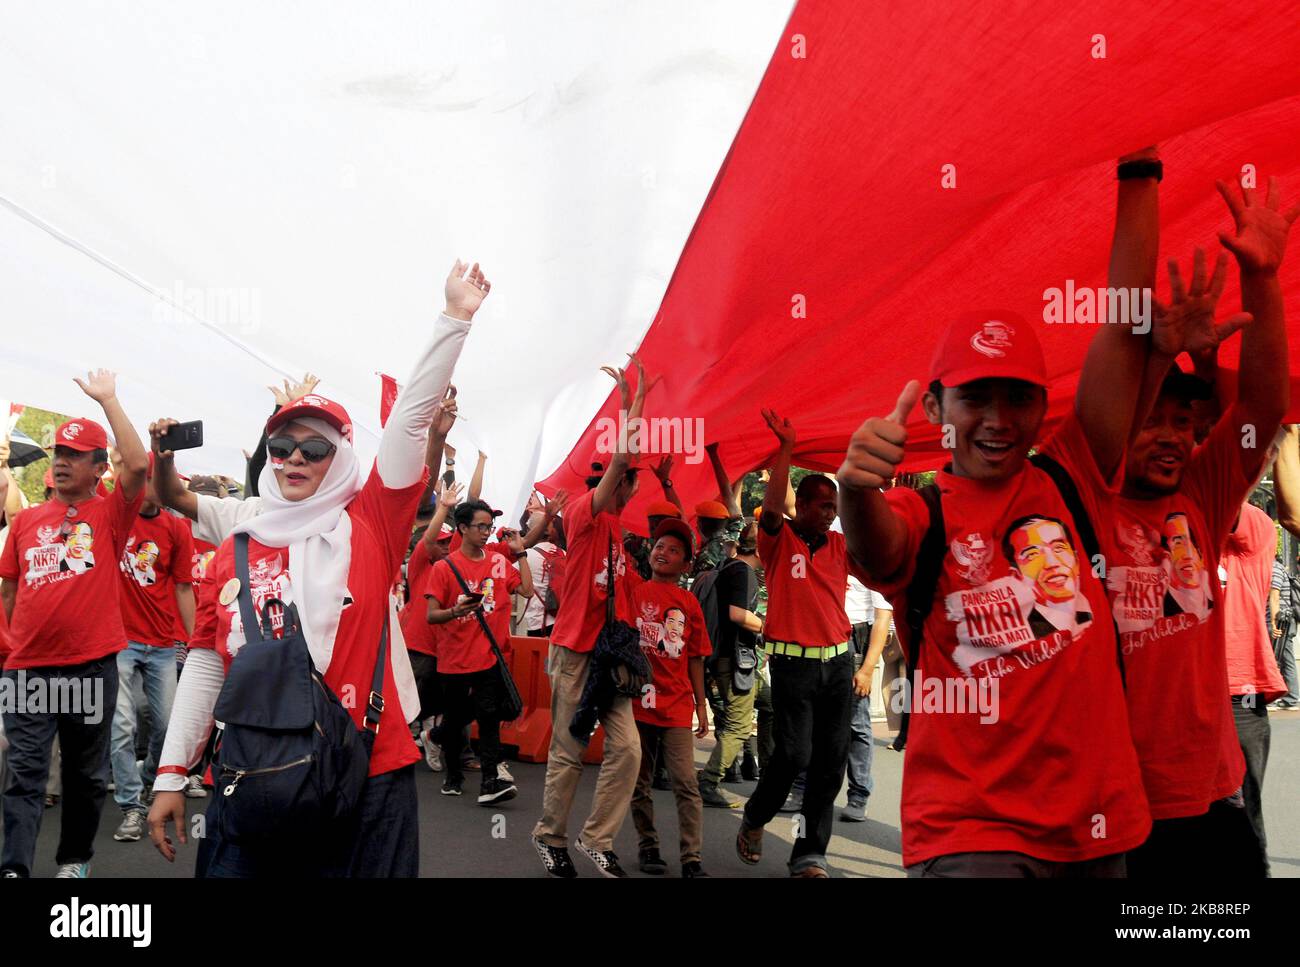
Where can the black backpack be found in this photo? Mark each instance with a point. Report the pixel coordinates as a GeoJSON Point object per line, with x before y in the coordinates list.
{"type": "Point", "coordinates": [929, 566]}
{"type": "Point", "coordinates": [291, 764]}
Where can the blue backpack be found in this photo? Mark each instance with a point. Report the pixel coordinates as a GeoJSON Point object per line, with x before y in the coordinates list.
{"type": "Point", "coordinates": [290, 763]}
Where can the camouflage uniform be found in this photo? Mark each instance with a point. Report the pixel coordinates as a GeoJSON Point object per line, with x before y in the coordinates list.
{"type": "Point", "coordinates": [713, 553]}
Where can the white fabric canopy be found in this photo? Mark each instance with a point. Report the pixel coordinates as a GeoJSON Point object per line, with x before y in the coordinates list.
{"type": "Point", "coordinates": [301, 176]}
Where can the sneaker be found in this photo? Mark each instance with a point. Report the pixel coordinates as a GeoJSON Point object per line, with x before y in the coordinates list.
{"type": "Point", "coordinates": [51, 801]}
{"type": "Point", "coordinates": [73, 871]}
{"type": "Point", "coordinates": [9, 875]}
{"type": "Point", "coordinates": [496, 790]}
{"type": "Point", "coordinates": [194, 788]}
{"type": "Point", "coordinates": [471, 764]}
{"type": "Point", "coordinates": [132, 828]}
{"type": "Point", "coordinates": [693, 871]}
{"type": "Point", "coordinates": [556, 860]}
{"type": "Point", "coordinates": [651, 862]}
{"type": "Point", "coordinates": [503, 773]}
{"type": "Point", "coordinates": [855, 811]}
{"type": "Point", "coordinates": [452, 787]}
{"type": "Point", "coordinates": [711, 795]}
{"type": "Point", "coordinates": [606, 861]}
{"type": "Point", "coordinates": [432, 752]}
{"type": "Point", "coordinates": [793, 802]}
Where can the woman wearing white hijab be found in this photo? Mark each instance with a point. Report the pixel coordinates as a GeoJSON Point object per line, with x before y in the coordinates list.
{"type": "Point", "coordinates": [330, 544]}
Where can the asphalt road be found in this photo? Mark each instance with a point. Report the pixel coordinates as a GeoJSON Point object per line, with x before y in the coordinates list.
{"type": "Point", "coordinates": [458, 838]}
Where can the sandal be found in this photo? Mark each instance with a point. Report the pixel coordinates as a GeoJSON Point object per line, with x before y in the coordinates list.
{"type": "Point", "coordinates": [749, 845]}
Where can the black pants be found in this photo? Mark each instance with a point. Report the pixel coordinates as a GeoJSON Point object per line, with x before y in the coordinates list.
{"type": "Point", "coordinates": [1254, 733]}
{"type": "Point", "coordinates": [383, 841]}
{"type": "Point", "coordinates": [425, 669]}
{"type": "Point", "coordinates": [473, 697]}
{"type": "Point", "coordinates": [85, 696]}
{"type": "Point", "coordinates": [812, 706]}
{"type": "Point", "coordinates": [1019, 866]}
{"type": "Point", "coordinates": [1220, 844]}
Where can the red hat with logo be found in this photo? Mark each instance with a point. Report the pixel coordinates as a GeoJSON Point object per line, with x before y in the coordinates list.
{"type": "Point", "coordinates": [663, 508]}
{"type": "Point", "coordinates": [81, 434]}
{"type": "Point", "coordinates": [313, 406]}
{"type": "Point", "coordinates": [446, 532]}
{"type": "Point", "coordinates": [675, 527]}
{"type": "Point", "coordinates": [989, 345]}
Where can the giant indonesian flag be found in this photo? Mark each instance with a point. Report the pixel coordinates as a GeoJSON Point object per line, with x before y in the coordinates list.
{"type": "Point", "coordinates": [902, 163]}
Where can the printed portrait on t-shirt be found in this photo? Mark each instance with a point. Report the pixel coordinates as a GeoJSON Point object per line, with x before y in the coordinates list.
{"type": "Point", "coordinates": [1039, 549]}
{"type": "Point", "coordinates": [78, 549]}
{"type": "Point", "coordinates": [663, 635]}
{"type": "Point", "coordinates": [601, 577]}
{"type": "Point", "coordinates": [1165, 589]}
{"type": "Point", "coordinates": [488, 590]}
{"type": "Point", "coordinates": [1029, 614]}
{"type": "Point", "coordinates": [199, 564]}
{"type": "Point", "coordinates": [674, 635]}
{"type": "Point", "coordinates": [1189, 580]}
{"type": "Point", "coordinates": [139, 562]}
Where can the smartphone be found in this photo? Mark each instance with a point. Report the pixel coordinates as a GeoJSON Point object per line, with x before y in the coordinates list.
{"type": "Point", "coordinates": [183, 436]}
{"type": "Point", "coordinates": [475, 597]}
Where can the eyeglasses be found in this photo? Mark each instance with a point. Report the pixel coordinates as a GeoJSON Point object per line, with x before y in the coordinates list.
{"type": "Point", "coordinates": [313, 450]}
{"type": "Point", "coordinates": [483, 528]}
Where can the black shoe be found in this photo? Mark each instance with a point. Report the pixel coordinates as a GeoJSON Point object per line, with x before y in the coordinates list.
{"type": "Point", "coordinates": [749, 770]}
{"type": "Point", "coordinates": [555, 859]}
{"type": "Point", "coordinates": [652, 863]}
{"type": "Point", "coordinates": [496, 790]}
{"type": "Point", "coordinates": [793, 802]}
{"type": "Point", "coordinates": [452, 786]}
{"type": "Point", "coordinates": [693, 871]}
{"type": "Point", "coordinates": [712, 796]}
{"type": "Point", "coordinates": [732, 775]}
{"type": "Point", "coordinates": [606, 861]}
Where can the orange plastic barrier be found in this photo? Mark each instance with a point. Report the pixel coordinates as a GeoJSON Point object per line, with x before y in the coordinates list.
{"type": "Point", "coordinates": [531, 732]}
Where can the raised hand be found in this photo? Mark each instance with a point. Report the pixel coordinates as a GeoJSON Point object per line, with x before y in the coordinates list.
{"type": "Point", "coordinates": [1187, 324]}
{"type": "Point", "coordinates": [100, 385]}
{"type": "Point", "coordinates": [782, 427]}
{"type": "Point", "coordinates": [157, 430]}
{"type": "Point", "coordinates": [555, 506]}
{"type": "Point", "coordinates": [643, 387]}
{"type": "Point", "coordinates": [294, 391]}
{"type": "Point", "coordinates": [515, 541]}
{"type": "Point", "coordinates": [663, 469]}
{"type": "Point", "coordinates": [465, 290]}
{"type": "Point", "coordinates": [1260, 240]}
{"type": "Point", "coordinates": [619, 376]}
{"type": "Point", "coordinates": [444, 416]}
{"type": "Point", "coordinates": [450, 495]}
{"type": "Point", "coordinates": [876, 449]}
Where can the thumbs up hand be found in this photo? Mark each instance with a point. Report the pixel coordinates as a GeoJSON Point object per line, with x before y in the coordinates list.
{"type": "Point", "coordinates": [876, 449]}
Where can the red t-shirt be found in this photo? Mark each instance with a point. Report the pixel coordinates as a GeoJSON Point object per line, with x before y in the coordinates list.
{"type": "Point", "coordinates": [1162, 579]}
{"type": "Point", "coordinates": [420, 635]}
{"type": "Point", "coordinates": [200, 559]}
{"type": "Point", "coordinates": [584, 588]}
{"type": "Point", "coordinates": [1248, 560]}
{"type": "Point", "coordinates": [672, 632]}
{"type": "Point", "coordinates": [1033, 753]}
{"type": "Point", "coordinates": [158, 556]}
{"type": "Point", "coordinates": [805, 588]}
{"type": "Point", "coordinates": [462, 646]}
{"type": "Point", "coordinates": [381, 526]}
{"type": "Point", "coordinates": [66, 611]}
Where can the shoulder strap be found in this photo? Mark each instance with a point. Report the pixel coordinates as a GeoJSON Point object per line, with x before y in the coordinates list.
{"type": "Point", "coordinates": [1083, 524]}
{"type": "Point", "coordinates": [252, 629]}
{"type": "Point", "coordinates": [478, 612]}
{"type": "Point", "coordinates": [375, 704]}
{"type": "Point", "coordinates": [920, 595]}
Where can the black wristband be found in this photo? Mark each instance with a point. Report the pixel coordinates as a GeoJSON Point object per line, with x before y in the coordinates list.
{"type": "Point", "coordinates": [1146, 168]}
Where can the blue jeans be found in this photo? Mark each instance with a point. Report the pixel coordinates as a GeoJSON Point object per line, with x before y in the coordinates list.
{"type": "Point", "coordinates": [156, 667]}
{"type": "Point", "coordinates": [78, 712]}
{"type": "Point", "coordinates": [1284, 650]}
{"type": "Point", "coordinates": [861, 748]}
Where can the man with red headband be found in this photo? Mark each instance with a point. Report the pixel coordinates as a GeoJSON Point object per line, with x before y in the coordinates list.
{"type": "Point", "coordinates": [327, 543]}
{"type": "Point", "coordinates": [59, 587]}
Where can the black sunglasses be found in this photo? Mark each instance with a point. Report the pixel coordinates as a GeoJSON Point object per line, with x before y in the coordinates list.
{"type": "Point", "coordinates": [313, 450]}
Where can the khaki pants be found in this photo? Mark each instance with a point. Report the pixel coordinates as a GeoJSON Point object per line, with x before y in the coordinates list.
{"type": "Point", "coordinates": [618, 769]}
{"type": "Point", "coordinates": [677, 748]}
{"type": "Point", "coordinates": [735, 724]}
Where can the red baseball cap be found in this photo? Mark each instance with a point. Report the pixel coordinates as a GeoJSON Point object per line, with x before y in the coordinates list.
{"type": "Point", "coordinates": [663, 508]}
{"type": "Point", "coordinates": [446, 532]}
{"type": "Point", "coordinates": [989, 345]}
{"type": "Point", "coordinates": [81, 434]}
{"type": "Point", "coordinates": [679, 529]}
{"type": "Point", "coordinates": [313, 406]}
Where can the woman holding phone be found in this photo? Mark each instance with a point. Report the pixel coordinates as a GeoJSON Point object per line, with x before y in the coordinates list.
{"type": "Point", "coordinates": [325, 542]}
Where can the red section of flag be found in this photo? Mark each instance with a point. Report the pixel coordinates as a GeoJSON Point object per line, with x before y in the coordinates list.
{"type": "Point", "coordinates": [917, 162]}
{"type": "Point", "coordinates": [387, 397]}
